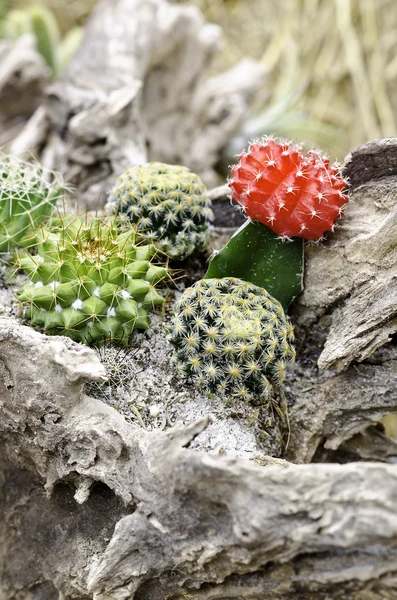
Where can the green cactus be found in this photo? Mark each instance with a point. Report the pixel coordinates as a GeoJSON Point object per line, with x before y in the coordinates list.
{"type": "Point", "coordinates": [232, 338]}
{"type": "Point", "coordinates": [90, 283]}
{"type": "Point", "coordinates": [256, 254]}
{"type": "Point", "coordinates": [15, 24]}
{"type": "Point", "coordinates": [167, 204]}
{"type": "Point", "coordinates": [39, 21]}
{"type": "Point", "coordinates": [46, 31]}
{"type": "Point", "coordinates": [26, 198]}
{"type": "Point", "coordinates": [68, 47]}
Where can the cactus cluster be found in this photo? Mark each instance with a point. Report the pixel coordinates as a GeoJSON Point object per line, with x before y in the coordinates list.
{"type": "Point", "coordinates": [40, 22]}
{"type": "Point", "coordinates": [90, 282]}
{"type": "Point", "coordinates": [167, 204]}
{"type": "Point", "coordinates": [293, 194]}
{"type": "Point", "coordinates": [232, 337]}
{"type": "Point", "coordinates": [26, 198]}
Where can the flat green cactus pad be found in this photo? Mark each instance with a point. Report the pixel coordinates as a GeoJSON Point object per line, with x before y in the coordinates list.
{"type": "Point", "coordinates": [256, 254]}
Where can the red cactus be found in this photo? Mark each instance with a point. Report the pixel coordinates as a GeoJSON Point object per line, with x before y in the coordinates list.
{"type": "Point", "coordinates": [293, 194]}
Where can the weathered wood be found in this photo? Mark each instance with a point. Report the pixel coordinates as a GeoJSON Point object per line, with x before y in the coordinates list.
{"type": "Point", "coordinates": [95, 508]}
{"type": "Point", "coordinates": [341, 383]}
{"type": "Point", "coordinates": [23, 78]}
{"type": "Point", "coordinates": [138, 89]}
{"type": "Point", "coordinates": [166, 520]}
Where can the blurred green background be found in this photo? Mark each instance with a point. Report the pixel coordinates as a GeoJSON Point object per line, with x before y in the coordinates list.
{"type": "Point", "coordinates": [331, 64]}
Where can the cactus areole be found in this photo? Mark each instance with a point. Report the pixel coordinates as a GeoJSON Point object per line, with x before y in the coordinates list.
{"type": "Point", "coordinates": [167, 204]}
{"type": "Point", "coordinates": [27, 197]}
{"type": "Point", "coordinates": [90, 283]}
{"type": "Point", "coordinates": [232, 337]}
{"type": "Point", "coordinates": [296, 195]}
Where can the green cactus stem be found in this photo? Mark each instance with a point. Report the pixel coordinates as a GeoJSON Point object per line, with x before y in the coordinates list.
{"type": "Point", "coordinates": [167, 204]}
{"type": "Point", "coordinates": [90, 283]}
{"type": "Point", "coordinates": [16, 23]}
{"type": "Point", "coordinates": [39, 21]}
{"type": "Point", "coordinates": [257, 254]}
{"type": "Point", "coordinates": [27, 197]}
{"type": "Point", "coordinates": [231, 337]}
{"type": "Point", "coordinates": [46, 31]}
{"type": "Point", "coordinates": [68, 48]}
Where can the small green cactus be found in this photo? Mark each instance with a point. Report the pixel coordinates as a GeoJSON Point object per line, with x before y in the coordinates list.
{"type": "Point", "coordinates": [90, 283]}
{"type": "Point", "coordinates": [167, 204]}
{"type": "Point", "coordinates": [15, 24]}
{"type": "Point", "coordinates": [46, 31]}
{"type": "Point", "coordinates": [232, 337]}
{"type": "Point", "coordinates": [67, 48]}
{"type": "Point", "coordinates": [40, 21]}
{"type": "Point", "coordinates": [26, 198]}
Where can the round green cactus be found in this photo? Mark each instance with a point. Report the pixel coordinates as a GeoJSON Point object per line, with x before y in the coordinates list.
{"type": "Point", "coordinates": [90, 283]}
{"type": "Point", "coordinates": [167, 204]}
{"type": "Point", "coordinates": [26, 198]}
{"type": "Point", "coordinates": [232, 337]}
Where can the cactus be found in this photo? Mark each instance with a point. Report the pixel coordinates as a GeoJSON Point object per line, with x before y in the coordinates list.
{"type": "Point", "coordinates": [167, 204]}
{"type": "Point", "coordinates": [39, 21]}
{"type": "Point", "coordinates": [294, 195]}
{"type": "Point", "coordinates": [117, 361]}
{"type": "Point", "coordinates": [46, 31]}
{"type": "Point", "coordinates": [90, 283]}
{"type": "Point", "coordinates": [256, 254]}
{"type": "Point", "coordinates": [15, 24]}
{"type": "Point", "coordinates": [232, 337]}
{"type": "Point", "coordinates": [26, 198]}
{"type": "Point", "coordinates": [68, 47]}
{"type": "Point", "coordinates": [288, 195]}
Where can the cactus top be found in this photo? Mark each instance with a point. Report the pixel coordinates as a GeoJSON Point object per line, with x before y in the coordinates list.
{"type": "Point", "coordinates": [168, 204]}
{"type": "Point", "coordinates": [232, 337]}
{"type": "Point", "coordinates": [293, 194]}
{"type": "Point", "coordinates": [90, 283]}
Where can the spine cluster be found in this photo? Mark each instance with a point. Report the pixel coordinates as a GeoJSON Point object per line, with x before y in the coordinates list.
{"type": "Point", "coordinates": [292, 193]}
{"type": "Point", "coordinates": [90, 283]}
{"type": "Point", "coordinates": [167, 204]}
{"type": "Point", "coordinates": [232, 338]}
{"type": "Point", "coordinates": [26, 198]}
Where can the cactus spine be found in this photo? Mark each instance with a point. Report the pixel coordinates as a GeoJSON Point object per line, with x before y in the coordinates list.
{"type": "Point", "coordinates": [232, 338]}
{"type": "Point", "coordinates": [167, 204]}
{"type": "Point", "coordinates": [26, 198]}
{"type": "Point", "coordinates": [90, 283]}
{"type": "Point", "coordinates": [296, 195]}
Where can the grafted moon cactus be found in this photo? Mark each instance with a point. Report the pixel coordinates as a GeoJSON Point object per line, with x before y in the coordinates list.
{"type": "Point", "coordinates": [90, 283]}
{"type": "Point", "coordinates": [27, 195]}
{"type": "Point", "coordinates": [296, 195]}
{"type": "Point", "coordinates": [168, 205]}
{"type": "Point", "coordinates": [232, 338]}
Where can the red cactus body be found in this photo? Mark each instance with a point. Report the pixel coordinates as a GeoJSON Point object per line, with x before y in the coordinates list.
{"type": "Point", "coordinates": [293, 194]}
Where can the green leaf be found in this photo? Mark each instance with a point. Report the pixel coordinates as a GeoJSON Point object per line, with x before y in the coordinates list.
{"type": "Point", "coordinates": [256, 254]}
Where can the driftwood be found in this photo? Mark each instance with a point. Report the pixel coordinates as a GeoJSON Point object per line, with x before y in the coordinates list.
{"type": "Point", "coordinates": [95, 508]}
{"type": "Point", "coordinates": [347, 310]}
{"type": "Point", "coordinates": [23, 78]}
{"type": "Point", "coordinates": [138, 89]}
{"type": "Point", "coordinates": [92, 507]}
{"type": "Point", "coordinates": [132, 514]}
